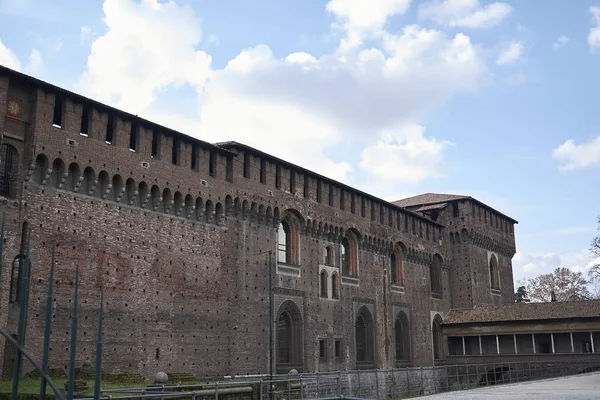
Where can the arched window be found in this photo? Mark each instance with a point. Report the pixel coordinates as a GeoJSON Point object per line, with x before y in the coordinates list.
{"type": "Point", "coordinates": [364, 339]}
{"type": "Point", "coordinates": [208, 211]}
{"type": "Point", "coordinates": [328, 255]}
{"type": "Point", "coordinates": [402, 338]}
{"type": "Point", "coordinates": [396, 265]}
{"type": "Point", "coordinates": [167, 201]}
{"type": "Point", "coordinates": [73, 177]}
{"type": "Point", "coordinates": [494, 273]}
{"type": "Point", "coordinates": [9, 164]}
{"type": "Point", "coordinates": [350, 254]}
{"type": "Point", "coordinates": [130, 191]}
{"type": "Point", "coordinates": [288, 239]}
{"type": "Point", "coordinates": [436, 336]}
{"type": "Point", "coordinates": [435, 272]}
{"type": "Point", "coordinates": [117, 188]}
{"type": "Point", "coordinates": [102, 186]}
{"type": "Point", "coordinates": [323, 281]}
{"type": "Point", "coordinates": [41, 165]}
{"type": "Point", "coordinates": [142, 197]}
{"type": "Point", "coordinates": [289, 338]}
{"type": "Point", "coordinates": [58, 170]}
{"type": "Point", "coordinates": [335, 286]}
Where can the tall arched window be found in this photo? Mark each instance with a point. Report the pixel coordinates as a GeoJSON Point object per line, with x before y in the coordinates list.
{"type": "Point", "coordinates": [396, 265]}
{"type": "Point", "coordinates": [323, 284]}
{"type": "Point", "coordinates": [9, 163]}
{"type": "Point", "coordinates": [402, 338]}
{"type": "Point", "coordinates": [289, 338]}
{"type": "Point", "coordinates": [288, 239]}
{"type": "Point", "coordinates": [335, 286]}
{"type": "Point", "coordinates": [283, 243]}
{"type": "Point", "coordinates": [436, 335]}
{"type": "Point", "coordinates": [494, 273]}
{"type": "Point", "coordinates": [364, 339]}
{"type": "Point", "coordinates": [436, 276]}
{"type": "Point", "coordinates": [350, 254]}
{"type": "Point", "coordinates": [328, 255]}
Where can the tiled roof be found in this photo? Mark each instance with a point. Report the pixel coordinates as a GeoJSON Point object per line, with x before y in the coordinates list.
{"type": "Point", "coordinates": [428, 198]}
{"type": "Point", "coordinates": [430, 207]}
{"type": "Point", "coordinates": [526, 312]}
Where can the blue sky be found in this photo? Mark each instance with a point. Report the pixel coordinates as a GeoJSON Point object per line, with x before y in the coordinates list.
{"type": "Point", "coordinates": [396, 97]}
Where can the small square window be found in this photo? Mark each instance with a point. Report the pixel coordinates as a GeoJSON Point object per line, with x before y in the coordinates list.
{"type": "Point", "coordinates": [323, 349]}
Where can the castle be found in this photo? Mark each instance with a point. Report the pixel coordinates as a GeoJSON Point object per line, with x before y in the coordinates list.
{"type": "Point", "coordinates": [189, 240]}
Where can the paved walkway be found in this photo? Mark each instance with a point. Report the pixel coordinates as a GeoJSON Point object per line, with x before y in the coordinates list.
{"type": "Point", "coordinates": [578, 387]}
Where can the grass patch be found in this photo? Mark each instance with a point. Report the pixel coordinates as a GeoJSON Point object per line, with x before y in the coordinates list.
{"type": "Point", "coordinates": [32, 386]}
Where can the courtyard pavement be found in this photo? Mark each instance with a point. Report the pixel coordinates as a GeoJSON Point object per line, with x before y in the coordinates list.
{"type": "Point", "coordinates": [578, 387]}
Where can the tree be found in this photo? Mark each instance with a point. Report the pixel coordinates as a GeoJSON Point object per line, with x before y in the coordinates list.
{"type": "Point", "coordinates": [563, 283]}
{"type": "Point", "coordinates": [594, 273]}
{"type": "Point", "coordinates": [521, 295]}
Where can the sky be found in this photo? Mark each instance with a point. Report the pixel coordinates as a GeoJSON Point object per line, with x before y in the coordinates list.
{"type": "Point", "coordinates": [394, 97]}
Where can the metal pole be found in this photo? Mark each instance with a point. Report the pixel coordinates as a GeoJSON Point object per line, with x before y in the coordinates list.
{"type": "Point", "coordinates": [49, 299]}
{"type": "Point", "coordinates": [572, 345]}
{"type": "Point", "coordinates": [22, 321]}
{"type": "Point", "coordinates": [71, 385]}
{"type": "Point", "coordinates": [592, 341]}
{"type": "Point", "coordinates": [552, 340]}
{"type": "Point", "coordinates": [98, 377]}
{"type": "Point", "coordinates": [270, 315]}
{"type": "Point", "coordinates": [2, 246]}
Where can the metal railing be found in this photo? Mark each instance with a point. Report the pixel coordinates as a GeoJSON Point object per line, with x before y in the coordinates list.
{"type": "Point", "coordinates": [361, 384]}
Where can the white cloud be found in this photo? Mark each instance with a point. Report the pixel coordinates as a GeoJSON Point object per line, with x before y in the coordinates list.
{"type": "Point", "coordinates": [511, 54]}
{"type": "Point", "coordinates": [147, 47]}
{"type": "Point", "coordinates": [303, 108]}
{"type": "Point", "coordinates": [8, 58]}
{"type": "Point", "coordinates": [526, 266]}
{"type": "Point", "coordinates": [405, 155]}
{"type": "Point", "coordinates": [572, 156]}
{"type": "Point", "coordinates": [85, 34]}
{"type": "Point", "coordinates": [560, 42]}
{"type": "Point", "coordinates": [594, 35]}
{"type": "Point", "coordinates": [35, 63]}
{"type": "Point", "coordinates": [362, 17]}
{"type": "Point", "coordinates": [464, 13]}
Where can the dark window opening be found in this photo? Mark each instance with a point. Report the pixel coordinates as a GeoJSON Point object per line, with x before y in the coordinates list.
{"type": "Point", "coordinates": [342, 200]}
{"type": "Point", "coordinates": [9, 161]}
{"type": "Point", "coordinates": [323, 349]}
{"type": "Point", "coordinates": [414, 226]}
{"type": "Point", "coordinates": [133, 136]}
{"type": "Point", "coordinates": [436, 276]}
{"type": "Point", "coordinates": [155, 144]}
{"type": "Point", "coordinates": [328, 255]}
{"type": "Point", "coordinates": [263, 171]}
{"type": "Point", "coordinates": [194, 164]}
{"type": "Point", "coordinates": [110, 130]}
{"type": "Point", "coordinates": [373, 211]}
{"type": "Point", "coordinates": [229, 169]}
{"type": "Point", "coordinates": [324, 291]}
{"type": "Point", "coordinates": [331, 195]}
{"type": "Point", "coordinates": [364, 339]}
{"type": "Point", "coordinates": [212, 164]}
{"type": "Point", "coordinates": [175, 152]}
{"type": "Point", "coordinates": [246, 165]}
{"type": "Point", "coordinates": [381, 214]}
{"type": "Point", "coordinates": [278, 176]}
{"type": "Point", "coordinates": [338, 348]}
{"type": "Point", "coordinates": [292, 182]}
{"type": "Point", "coordinates": [157, 355]}
{"type": "Point", "coordinates": [57, 117]}
{"type": "Point", "coordinates": [84, 129]}
{"type": "Point", "coordinates": [363, 207]}
{"type": "Point", "coordinates": [455, 212]}
{"type": "Point", "coordinates": [353, 203]}
{"type": "Point", "coordinates": [306, 186]}
{"type": "Point", "coordinates": [319, 191]}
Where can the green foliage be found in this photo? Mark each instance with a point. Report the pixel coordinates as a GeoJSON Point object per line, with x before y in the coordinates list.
{"type": "Point", "coordinates": [521, 295]}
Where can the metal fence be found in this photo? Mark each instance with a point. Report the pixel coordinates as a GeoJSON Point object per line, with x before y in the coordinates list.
{"type": "Point", "coordinates": [372, 384]}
